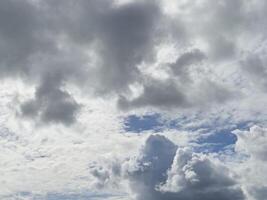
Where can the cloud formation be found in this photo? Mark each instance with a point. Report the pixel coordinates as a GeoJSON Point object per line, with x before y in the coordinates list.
{"type": "Point", "coordinates": [252, 144]}
{"type": "Point", "coordinates": [162, 170]}
{"type": "Point", "coordinates": [101, 44]}
{"type": "Point", "coordinates": [72, 71]}
{"type": "Point", "coordinates": [51, 104]}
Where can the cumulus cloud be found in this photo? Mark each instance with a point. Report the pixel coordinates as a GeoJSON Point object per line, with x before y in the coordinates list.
{"type": "Point", "coordinates": [162, 170]}
{"type": "Point", "coordinates": [194, 176]}
{"type": "Point", "coordinates": [252, 145]}
{"type": "Point", "coordinates": [252, 142]}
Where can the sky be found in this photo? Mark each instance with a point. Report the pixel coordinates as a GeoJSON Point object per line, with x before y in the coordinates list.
{"type": "Point", "coordinates": [133, 100]}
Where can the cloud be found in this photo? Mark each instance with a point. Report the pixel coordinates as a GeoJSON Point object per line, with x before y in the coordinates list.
{"type": "Point", "coordinates": [172, 95]}
{"type": "Point", "coordinates": [79, 68]}
{"type": "Point", "coordinates": [162, 170]}
{"type": "Point", "coordinates": [252, 144]}
{"type": "Point", "coordinates": [98, 46]}
{"type": "Point", "coordinates": [194, 176]}
{"type": "Point", "coordinates": [21, 36]}
{"type": "Point", "coordinates": [126, 35]}
{"type": "Point", "coordinates": [257, 148]}
{"type": "Point", "coordinates": [254, 68]}
{"type": "Point", "coordinates": [51, 104]}
{"type": "Point", "coordinates": [158, 94]}
{"type": "Point", "coordinates": [39, 38]}
{"type": "Point", "coordinates": [183, 63]}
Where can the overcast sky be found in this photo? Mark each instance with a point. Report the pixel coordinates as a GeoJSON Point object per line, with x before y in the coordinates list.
{"type": "Point", "coordinates": [133, 100]}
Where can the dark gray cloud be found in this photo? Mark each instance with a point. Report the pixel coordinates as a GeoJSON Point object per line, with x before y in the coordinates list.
{"type": "Point", "coordinates": [172, 94]}
{"type": "Point", "coordinates": [28, 46]}
{"type": "Point", "coordinates": [127, 34]}
{"type": "Point", "coordinates": [47, 37]}
{"type": "Point", "coordinates": [182, 65]}
{"type": "Point", "coordinates": [164, 94]}
{"type": "Point", "coordinates": [255, 68]}
{"type": "Point", "coordinates": [188, 58]}
{"type": "Point", "coordinates": [150, 167]}
{"type": "Point", "coordinates": [121, 36]}
{"type": "Point", "coordinates": [258, 192]}
{"type": "Point", "coordinates": [217, 93]}
{"type": "Point", "coordinates": [51, 103]}
{"type": "Point", "coordinates": [21, 36]}
{"type": "Point", "coordinates": [35, 34]}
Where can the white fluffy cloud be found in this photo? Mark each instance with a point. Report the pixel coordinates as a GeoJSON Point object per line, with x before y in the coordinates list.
{"type": "Point", "coordinates": [162, 170]}
{"type": "Point", "coordinates": [252, 144]}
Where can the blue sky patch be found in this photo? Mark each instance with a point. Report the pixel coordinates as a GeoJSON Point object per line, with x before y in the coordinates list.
{"type": "Point", "coordinates": [137, 124]}
{"type": "Point", "coordinates": [217, 141]}
{"type": "Point", "coordinates": [220, 139]}
{"type": "Point", "coordinates": [216, 136]}
{"type": "Point", "coordinates": [150, 122]}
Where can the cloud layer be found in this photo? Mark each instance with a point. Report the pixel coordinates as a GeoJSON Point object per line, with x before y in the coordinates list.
{"type": "Point", "coordinates": [73, 71]}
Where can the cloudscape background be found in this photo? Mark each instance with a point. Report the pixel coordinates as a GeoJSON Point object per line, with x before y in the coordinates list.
{"type": "Point", "coordinates": [133, 100]}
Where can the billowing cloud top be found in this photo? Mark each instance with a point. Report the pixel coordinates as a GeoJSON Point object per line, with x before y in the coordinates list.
{"type": "Point", "coordinates": [133, 99]}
